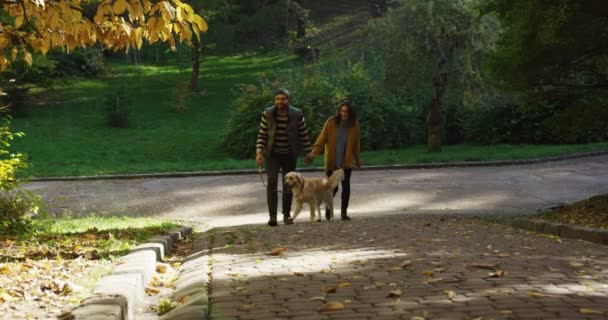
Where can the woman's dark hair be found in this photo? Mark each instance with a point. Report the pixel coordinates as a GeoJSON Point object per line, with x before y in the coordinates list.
{"type": "Point", "coordinates": [352, 112]}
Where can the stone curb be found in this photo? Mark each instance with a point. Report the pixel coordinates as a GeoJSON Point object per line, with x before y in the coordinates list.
{"type": "Point", "coordinates": [118, 295]}
{"type": "Point", "coordinates": [191, 287]}
{"type": "Point", "coordinates": [595, 235]}
{"type": "Point", "coordinates": [320, 169]}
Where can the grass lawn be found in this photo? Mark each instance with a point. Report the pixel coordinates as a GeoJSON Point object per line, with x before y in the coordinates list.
{"type": "Point", "coordinates": [46, 273]}
{"type": "Point", "coordinates": [66, 135]}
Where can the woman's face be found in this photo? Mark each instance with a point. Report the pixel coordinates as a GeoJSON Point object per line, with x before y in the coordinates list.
{"type": "Point", "coordinates": [344, 113]}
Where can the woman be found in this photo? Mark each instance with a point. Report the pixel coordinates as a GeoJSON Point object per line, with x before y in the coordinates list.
{"type": "Point", "coordinates": [340, 139]}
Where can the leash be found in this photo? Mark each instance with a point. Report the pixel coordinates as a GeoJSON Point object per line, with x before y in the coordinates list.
{"type": "Point", "coordinates": [260, 172]}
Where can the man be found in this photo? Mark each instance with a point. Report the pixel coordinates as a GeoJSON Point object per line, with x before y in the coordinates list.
{"type": "Point", "coordinates": [282, 135]}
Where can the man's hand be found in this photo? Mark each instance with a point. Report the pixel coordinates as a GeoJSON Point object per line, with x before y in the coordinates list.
{"type": "Point", "coordinates": [259, 159]}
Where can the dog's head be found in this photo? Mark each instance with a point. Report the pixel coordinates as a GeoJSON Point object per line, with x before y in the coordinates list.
{"type": "Point", "coordinates": [293, 179]}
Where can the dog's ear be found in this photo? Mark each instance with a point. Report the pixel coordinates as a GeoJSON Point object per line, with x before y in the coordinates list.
{"type": "Point", "coordinates": [300, 178]}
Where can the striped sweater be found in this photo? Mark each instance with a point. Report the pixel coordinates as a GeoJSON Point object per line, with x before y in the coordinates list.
{"type": "Point", "coordinates": [286, 133]}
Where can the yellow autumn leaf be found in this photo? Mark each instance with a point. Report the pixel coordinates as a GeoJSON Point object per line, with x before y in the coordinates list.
{"type": "Point", "coordinates": [535, 294]}
{"type": "Point", "coordinates": [18, 21]}
{"type": "Point", "coordinates": [343, 284]}
{"type": "Point", "coordinates": [332, 306]}
{"type": "Point", "coordinates": [151, 291]}
{"type": "Point", "coordinates": [119, 6]}
{"type": "Point", "coordinates": [4, 269]}
{"type": "Point", "coordinates": [200, 22]}
{"type": "Point", "coordinates": [590, 311]}
{"type": "Point", "coordinates": [14, 53]}
{"type": "Point", "coordinates": [27, 57]}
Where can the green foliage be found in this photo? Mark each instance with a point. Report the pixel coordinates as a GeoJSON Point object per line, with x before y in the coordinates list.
{"type": "Point", "coordinates": [10, 163]}
{"type": "Point", "coordinates": [17, 208]}
{"type": "Point", "coordinates": [165, 305]}
{"type": "Point", "coordinates": [578, 124]}
{"type": "Point", "coordinates": [386, 122]}
{"type": "Point", "coordinates": [551, 45]}
{"type": "Point", "coordinates": [86, 63]}
{"type": "Point", "coordinates": [241, 25]}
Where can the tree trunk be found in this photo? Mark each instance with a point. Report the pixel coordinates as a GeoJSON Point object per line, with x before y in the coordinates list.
{"type": "Point", "coordinates": [433, 119]}
{"type": "Point", "coordinates": [196, 63]}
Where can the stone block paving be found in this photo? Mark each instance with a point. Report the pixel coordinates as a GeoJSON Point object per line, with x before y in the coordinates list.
{"type": "Point", "coordinates": [403, 267]}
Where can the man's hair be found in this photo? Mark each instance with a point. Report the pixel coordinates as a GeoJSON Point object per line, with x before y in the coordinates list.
{"type": "Point", "coordinates": [282, 91]}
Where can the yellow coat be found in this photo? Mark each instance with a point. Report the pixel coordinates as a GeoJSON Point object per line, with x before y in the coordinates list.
{"type": "Point", "coordinates": [327, 138]}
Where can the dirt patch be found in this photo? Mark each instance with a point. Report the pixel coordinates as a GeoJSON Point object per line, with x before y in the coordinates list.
{"type": "Point", "coordinates": [592, 212]}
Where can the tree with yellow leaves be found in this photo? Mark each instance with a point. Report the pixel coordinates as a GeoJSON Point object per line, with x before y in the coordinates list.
{"type": "Point", "coordinates": [37, 26]}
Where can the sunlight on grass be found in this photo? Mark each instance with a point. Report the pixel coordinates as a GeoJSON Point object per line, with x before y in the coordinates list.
{"type": "Point", "coordinates": [78, 225]}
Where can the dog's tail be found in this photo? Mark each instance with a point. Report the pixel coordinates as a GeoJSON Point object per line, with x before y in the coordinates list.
{"type": "Point", "coordinates": [336, 178]}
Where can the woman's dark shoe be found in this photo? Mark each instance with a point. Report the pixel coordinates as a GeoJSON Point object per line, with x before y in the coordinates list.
{"type": "Point", "coordinates": [345, 217]}
{"type": "Point", "coordinates": [273, 222]}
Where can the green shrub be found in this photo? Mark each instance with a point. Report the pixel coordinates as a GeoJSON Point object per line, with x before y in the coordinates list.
{"type": "Point", "coordinates": [578, 124]}
{"type": "Point", "coordinates": [17, 208]}
{"type": "Point", "coordinates": [386, 121]}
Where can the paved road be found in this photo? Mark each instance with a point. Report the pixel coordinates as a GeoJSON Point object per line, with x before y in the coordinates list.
{"type": "Point", "coordinates": [229, 200]}
{"type": "Point", "coordinates": [403, 267]}
{"type": "Point", "coordinates": [406, 254]}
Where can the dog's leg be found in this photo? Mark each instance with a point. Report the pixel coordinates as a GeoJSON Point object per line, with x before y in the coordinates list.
{"type": "Point", "coordinates": [296, 212]}
{"type": "Point", "coordinates": [318, 208]}
{"type": "Point", "coordinates": [313, 205]}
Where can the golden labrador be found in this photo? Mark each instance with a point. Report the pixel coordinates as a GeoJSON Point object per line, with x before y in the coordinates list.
{"type": "Point", "coordinates": [313, 191]}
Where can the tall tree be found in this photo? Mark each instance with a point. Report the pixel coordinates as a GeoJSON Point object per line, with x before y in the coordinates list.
{"type": "Point", "coordinates": [549, 46]}
{"type": "Point", "coordinates": [429, 45]}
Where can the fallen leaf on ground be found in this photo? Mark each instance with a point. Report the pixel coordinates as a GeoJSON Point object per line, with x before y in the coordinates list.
{"type": "Point", "coordinates": [535, 294]}
{"type": "Point", "coordinates": [299, 274]}
{"type": "Point", "coordinates": [497, 274]}
{"type": "Point", "coordinates": [162, 268]}
{"type": "Point", "coordinates": [428, 273]}
{"type": "Point", "coordinates": [322, 299]}
{"type": "Point", "coordinates": [450, 293]}
{"type": "Point", "coordinates": [506, 312]}
{"type": "Point", "coordinates": [434, 280]}
{"type": "Point", "coordinates": [248, 306]}
{"type": "Point", "coordinates": [394, 294]}
{"type": "Point", "coordinates": [343, 284]}
{"type": "Point", "coordinates": [277, 251]}
{"type": "Point", "coordinates": [484, 265]}
{"type": "Point", "coordinates": [576, 264]}
{"type": "Point", "coordinates": [152, 291]}
{"type": "Point", "coordinates": [590, 311]}
{"type": "Point", "coordinates": [332, 306]}
{"type": "Point", "coordinates": [331, 289]}
{"type": "Point", "coordinates": [406, 264]}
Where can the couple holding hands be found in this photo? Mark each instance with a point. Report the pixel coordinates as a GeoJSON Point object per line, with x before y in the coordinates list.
{"type": "Point", "coordinates": [283, 132]}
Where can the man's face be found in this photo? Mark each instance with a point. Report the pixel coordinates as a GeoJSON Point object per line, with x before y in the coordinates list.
{"type": "Point", "coordinates": [281, 102]}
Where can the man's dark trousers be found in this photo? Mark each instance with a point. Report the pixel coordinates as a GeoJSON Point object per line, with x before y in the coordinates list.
{"type": "Point", "coordinates": [275, 163]}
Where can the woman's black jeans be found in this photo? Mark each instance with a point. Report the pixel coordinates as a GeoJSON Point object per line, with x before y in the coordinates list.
{"type": "Point", "coordinates": [345, 192]}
